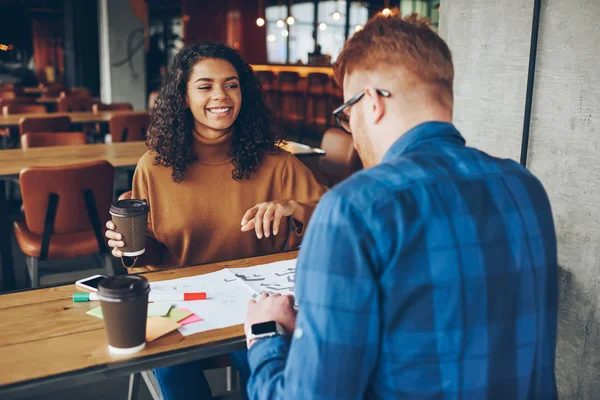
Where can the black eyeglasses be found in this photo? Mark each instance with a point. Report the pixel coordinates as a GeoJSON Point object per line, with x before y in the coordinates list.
{"type": "Point", "coordinates": [342, 119]}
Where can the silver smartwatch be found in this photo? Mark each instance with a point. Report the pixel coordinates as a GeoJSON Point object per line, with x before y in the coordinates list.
{"type": "Point", "coordinates": [264, 330]}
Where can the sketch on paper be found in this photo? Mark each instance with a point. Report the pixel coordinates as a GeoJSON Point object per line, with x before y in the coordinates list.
{"type": "Point", "coordinates": [228, 292]}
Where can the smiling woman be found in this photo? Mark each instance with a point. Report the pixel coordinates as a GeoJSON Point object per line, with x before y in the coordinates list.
{"type": "Point", "coordinates": [218, 186]}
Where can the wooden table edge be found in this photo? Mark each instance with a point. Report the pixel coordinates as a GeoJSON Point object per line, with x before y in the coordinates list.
{"type": "Point", "coordinates": [140, 361]}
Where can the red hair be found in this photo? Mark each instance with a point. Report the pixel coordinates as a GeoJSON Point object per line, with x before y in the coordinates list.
{"type": "Point", "coordinates": [395, 41]}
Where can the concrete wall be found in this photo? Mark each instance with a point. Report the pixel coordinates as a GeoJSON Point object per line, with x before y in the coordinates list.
{"type": "Point", "coordinates": [122, 56]}
{"type": "Point", "coordinates": [490, 44]}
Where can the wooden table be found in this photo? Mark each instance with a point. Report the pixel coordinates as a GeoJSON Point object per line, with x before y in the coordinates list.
{"type": "Point", "coordinates": [85, 117]}
{"type": "Point", "coordinates": [32, 89]}
{"type": "Point", "coordinates": [48, 342]}
{"type": "Point", "coordinates": [120, 155]}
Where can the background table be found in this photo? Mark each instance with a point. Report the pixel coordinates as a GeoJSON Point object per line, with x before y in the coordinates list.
{"type": "Point", "coordinates": [81, 117]}
{"type": "Point", "coordinates": [48, 342]}
{"type": "Point", "coordinates": [120, 155]}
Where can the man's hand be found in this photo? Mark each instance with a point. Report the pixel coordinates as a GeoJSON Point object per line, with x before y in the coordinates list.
{"type": "Point", "coordinates": [276, 308]}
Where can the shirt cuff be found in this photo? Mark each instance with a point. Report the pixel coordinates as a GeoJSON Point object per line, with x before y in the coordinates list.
{"type": "Point", "coordinates": [266, 349]}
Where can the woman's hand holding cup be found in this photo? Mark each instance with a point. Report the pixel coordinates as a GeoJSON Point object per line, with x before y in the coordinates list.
{"type": "Point", "coordinates": [115, 239]}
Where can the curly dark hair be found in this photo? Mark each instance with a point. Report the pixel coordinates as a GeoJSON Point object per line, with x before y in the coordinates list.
{"type": "Point", "coordinates": [171, 122]}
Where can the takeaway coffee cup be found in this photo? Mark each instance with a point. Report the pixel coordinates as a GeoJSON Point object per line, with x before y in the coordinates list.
{"type": "Point", "coordinates": [124, 302]}
{"type": "Point", "coordinates": [130, 217]}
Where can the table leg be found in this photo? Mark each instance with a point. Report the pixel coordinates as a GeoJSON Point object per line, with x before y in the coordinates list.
{"type": "Point", "coordinates": [134, 386]}
{"type": "Point", "coordinates": [8, 275]}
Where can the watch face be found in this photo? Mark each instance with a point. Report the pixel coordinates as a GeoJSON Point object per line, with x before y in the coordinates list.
{"type": "Point", "coordinates": [264, 327]}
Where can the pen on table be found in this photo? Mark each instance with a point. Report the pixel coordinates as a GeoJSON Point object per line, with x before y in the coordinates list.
{"type": "Point", "coordinates": [92, 296]}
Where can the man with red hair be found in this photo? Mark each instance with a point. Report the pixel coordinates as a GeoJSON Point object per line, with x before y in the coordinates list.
{"type": "Point", "coordinates": [430, 274]}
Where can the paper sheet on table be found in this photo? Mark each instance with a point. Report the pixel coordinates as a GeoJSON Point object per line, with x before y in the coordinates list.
{"type": "Point", "coordinates": [228, 292]}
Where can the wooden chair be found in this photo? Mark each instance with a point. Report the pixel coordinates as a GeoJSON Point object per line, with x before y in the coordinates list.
{"type": "Point", "coordinates": [269, 86]}
{"type": "Point", "coordinates": [317, 102]}
{"type": "Point", "coordinates": [341, 159]}
{"type": "Point", "coordinates": [54, 91]}
{"type": "Point", "coordinates": [8, 95]}
{"type": "Point", "coordinates": [9, 135]}
{"type": "Point", "coordinates": [100, 131]}
{"type": "Point", "coordinates": [112, 107]}
{"type": "Point", "coordinates": [336, 99]}
{"type": "Point", "coordinates": [45, 124]}
{"type": "Point", "coordinates": [47, 139]}
{"type": "Point", "coordinates": [17, 100]}
{"type": "Point", "coordinates": [64, 212]}
{"type": "Point", "coordinates": [7, 87]}
{"type": "Point", "coordinates": [76, 92]}
{"type": "Point", "coordinates": [22, 108]}
{"type": "Point", "coordinates": [290, 100]}
{"type": "Point", "coordinates": [127, 127]}
{"type": "Point", "coordinates": [73, 104]}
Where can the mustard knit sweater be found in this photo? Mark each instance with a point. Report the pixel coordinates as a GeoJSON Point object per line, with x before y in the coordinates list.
{"type": "Point", "coordinates": [198, 220]}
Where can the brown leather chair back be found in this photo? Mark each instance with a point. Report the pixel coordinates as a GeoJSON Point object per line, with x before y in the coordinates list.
{"type": "Point", "coordinates": [20, 108]}
{"type": "Point", "coordinates": [288, 81]}
{"type": "Point", "coordinates": [317, 82]}
{"type": "Point", "coordinates": [44, 124]}
{"type": "Point", "coordinates": [54, 91]}
{"type": "Point", "coordinates": [71, 104]}
{"type": "Point", "coordinates": [7, 87]}
{"type": "Point", "coordinates": [112, 107]}
{"type": "Point", "coordinates": [70, 183]}
{"type": "Point", "coordinates": [341, 159]}
{"type": "Point", "coordinates": [18, 100]}
{"type": "Point", "coordinates": [266, 78]}
{"type": "Point", "coordinates": [8, 95]}
{"type": "Point", "coordinates": [290, 103]}
{"type": "Point", "coordinates": [318, 104]}
{"type": "Point", "coordinates": [47, 139]}
{"type": "Point", "coordinates": [77, 92]}
{"type": "Point", "coordinates": [128, 127]}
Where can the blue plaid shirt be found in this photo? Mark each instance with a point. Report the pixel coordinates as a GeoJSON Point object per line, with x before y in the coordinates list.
{"type": "Point", "coordinates": [430, 276]}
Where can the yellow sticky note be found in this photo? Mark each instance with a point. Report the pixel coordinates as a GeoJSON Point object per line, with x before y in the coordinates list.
{"type": "Point", "coordinates": [159, 326]}
{"type": "Point", "coordinates": [177, 314]}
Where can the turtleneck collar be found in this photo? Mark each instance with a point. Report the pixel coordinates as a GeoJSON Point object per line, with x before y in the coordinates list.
{"type": "Point", "coordinates": [212, 151]}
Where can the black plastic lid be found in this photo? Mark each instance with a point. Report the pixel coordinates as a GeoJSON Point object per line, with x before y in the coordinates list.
{"type": "Point", "coordinates": [129, 208]}
{"type": "Point", "coordinates": [123, 287]}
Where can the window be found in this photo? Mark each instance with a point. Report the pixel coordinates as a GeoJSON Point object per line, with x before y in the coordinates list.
{"type": "Point", "coordinates": [301, 32]}
{"type": "Point", "coordinates": [332, 27]}
{"type": "Point", "coordinates": [359, 15]}
{"type": "Point", "coordinates": [426, 8]}
{"type": "Point", "coordinates": [276, 34]}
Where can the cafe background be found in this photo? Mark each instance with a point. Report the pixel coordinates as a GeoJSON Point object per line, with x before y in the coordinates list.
{"type": "Point", "coordinates": [117, 48]}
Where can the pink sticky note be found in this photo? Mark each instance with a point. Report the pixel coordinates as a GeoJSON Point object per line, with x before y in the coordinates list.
{"type": "Point", "coordinates": [191, 319]}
